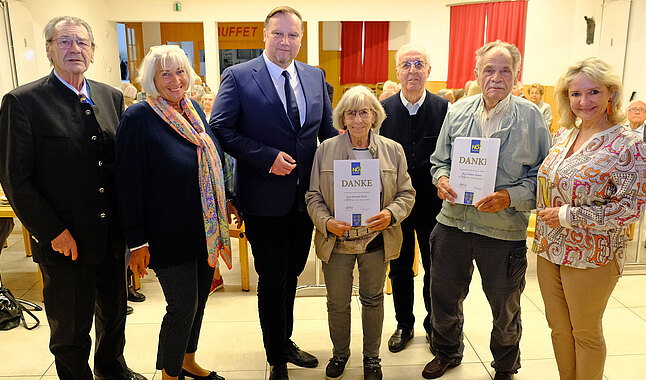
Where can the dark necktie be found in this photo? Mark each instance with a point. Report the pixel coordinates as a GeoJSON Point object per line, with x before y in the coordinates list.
{"type": "Point", "coordinates": [292, 106]}
{"type": "Point", "coordinates": [84, 98]}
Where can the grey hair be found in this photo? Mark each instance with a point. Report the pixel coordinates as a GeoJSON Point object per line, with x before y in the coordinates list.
{"type": "Point", "coordinates": [409, 47]}
{"type": "Point", "coordinates": [511, 48]}
{"type": "Point", "coordinates": [167, 56]}
{"type": "Point", "coordinates": [357, 97]}
{"type": "Point", "coordinates": [48, 31]}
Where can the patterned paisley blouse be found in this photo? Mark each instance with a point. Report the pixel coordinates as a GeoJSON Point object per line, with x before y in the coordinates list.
{"type": "Point", "coordinates": [600, 190]}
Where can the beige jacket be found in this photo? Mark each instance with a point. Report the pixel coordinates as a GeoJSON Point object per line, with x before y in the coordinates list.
{"type": "Point", "coordinates": [397, 195]}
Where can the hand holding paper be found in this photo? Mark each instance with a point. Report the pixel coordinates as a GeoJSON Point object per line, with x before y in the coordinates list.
{"type": "Point", "coordinates": [494, 202]}
{"type": "Point", "coordinates": [380, 221]}
{"type": "Point", "coordinates": [445, 191]}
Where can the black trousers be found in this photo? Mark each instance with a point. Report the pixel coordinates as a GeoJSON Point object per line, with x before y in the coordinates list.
{"type": "Point", "coordinates": [74, 295]}
{"type": "Point", "coordinates": [280, 246]}
{"type": "Point", "coordinates": [502, 265]}
{"type": "Point", "coordinates": [186, 289]}
{"type": "Point", "coordinates": [401, 272]}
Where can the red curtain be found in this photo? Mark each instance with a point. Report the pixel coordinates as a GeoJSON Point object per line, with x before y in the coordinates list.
{"type": "Point", "coordinates": [351, 65]}
{"type": "Point", "coordinates": [375, 52]}
{"type": "Point", "coordinates": [466, 35]}
{"type": "Point", "coordinates": [506, 22]}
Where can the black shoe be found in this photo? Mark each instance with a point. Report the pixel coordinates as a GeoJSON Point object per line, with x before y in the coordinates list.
{"type": "Point", "coordinates": [129, 310]}
{"type": "Point", "coordinates": [210, 376]}
{"type": "Point", "coordinates": [400, 339]}
{"type": "Point", "coordinates": [135, 296]}
{"type": "Point", "coordinates": [278, 372]}
{"type": "Point", "coordinates": [500, 375]}
{"type": "Point", "coordinates": [372, 368]}
{"type": "Point", "coordinates": [299, 357]}
{"type": "Point", "coordinates": [436, 368]}
{"type": "Point", "coordinates": [335, 368]}
{"type": "Point", "coordinates": [128, 374]}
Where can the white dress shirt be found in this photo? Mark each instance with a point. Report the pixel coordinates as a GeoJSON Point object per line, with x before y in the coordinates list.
{"type": "Point", "coordinates": [276, 74]}
{"type": "Point", "coordinates": [491, 122]}
{"type": "Point", "coordinates": [412, 108]}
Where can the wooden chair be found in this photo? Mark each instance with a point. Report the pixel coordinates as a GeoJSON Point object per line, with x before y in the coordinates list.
{"type": "Point", "coordinates": [243, 251]}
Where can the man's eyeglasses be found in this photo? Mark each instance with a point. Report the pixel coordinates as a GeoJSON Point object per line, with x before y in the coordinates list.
{"type": "Point", "coordinates": [641, 110]}
{"type": "Point", "coordinates": [363, 113]}
{"type": "Point", "coordinates": [406, 66]}
{"type": "Point", "coordinates": [66, 43]}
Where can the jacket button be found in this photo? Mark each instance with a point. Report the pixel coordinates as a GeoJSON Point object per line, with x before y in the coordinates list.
{"type": "Point", "coordinates": [88, 112]}
{"type": "Point", "coordinates": [94, 138]}
{"type": "Point", "coordinates": [100, 163]}
{"type": "Point", "coordinates": [102, 215]}
{"type": "Point", "coordinates": [101, 190]}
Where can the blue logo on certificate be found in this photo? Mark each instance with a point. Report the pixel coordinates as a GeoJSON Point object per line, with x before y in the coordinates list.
{"type": "Point", "coordinates": [355, 168]}
{"type": "Point", "coordinates": [475, 146]}
{"type": "Point", "coordinates": [356, 220]}
{"type": "Point", "coordinates": [468, 198]}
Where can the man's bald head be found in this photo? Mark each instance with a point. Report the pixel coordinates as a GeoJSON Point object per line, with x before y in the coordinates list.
{"type": "Point", "coordinates": [636, 113]}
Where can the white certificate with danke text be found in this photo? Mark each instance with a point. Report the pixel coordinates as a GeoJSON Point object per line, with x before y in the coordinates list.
{"type": "Point", "coordinates": [474, 164]}
{"type": "Point", "coordinates": [356, 190]}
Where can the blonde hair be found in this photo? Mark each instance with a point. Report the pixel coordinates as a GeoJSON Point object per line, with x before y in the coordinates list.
{"type": "Point", "coordinates": [355, 98]}
{"type": "Point", "coordinates": [168, 56]}
{"type": "Point", "coordinates": [538, 87]}
{"type": "Point", "coordinates": [599, 71]}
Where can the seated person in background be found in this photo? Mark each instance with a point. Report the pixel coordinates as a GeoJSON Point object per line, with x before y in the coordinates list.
{"type": "Point", "coordinates": [518, 90]}
{"type": "Point", "coordinates": [536, 92]}
{"type": "Point", "coordinates": [447, 94]}
{"type": "Point", "coordinates": [390, 89]}
{"type": "Point", "coordinates": [129, 95]}
{"type": "Point", "coordinates": [458, 94]}
{"type": "Point", "coordinates": [207, 104]}
{"type": "Point", "coordinates": [468, 84]}
{"type": "Point", "coordinates": [474, 89]}
{"type": "Point", "coordinates": [637, 117]}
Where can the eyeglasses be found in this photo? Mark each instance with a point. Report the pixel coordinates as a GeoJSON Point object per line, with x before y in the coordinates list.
{"type": "Point", "coordinates": [363, 113]}
{"type": "Point", "coordinates": [66, 43]}
{"type": "Point", "coordinates": [406, 66]}
{"type": "Point", "coordinates": [641, 110]}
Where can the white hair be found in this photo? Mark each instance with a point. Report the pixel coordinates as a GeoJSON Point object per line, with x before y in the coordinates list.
{"type": "Point", "coordinates": [168, 56]}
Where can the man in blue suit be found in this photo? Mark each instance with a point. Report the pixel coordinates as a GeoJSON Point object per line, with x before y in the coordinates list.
{"type": "Point", "coordinates": [268, 114]}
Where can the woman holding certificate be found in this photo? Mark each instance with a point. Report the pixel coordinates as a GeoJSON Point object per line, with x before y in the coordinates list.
{"type": "Point", "coordinates": [372, 244]}
{"type": "Point", "coordinates": [590, 189]}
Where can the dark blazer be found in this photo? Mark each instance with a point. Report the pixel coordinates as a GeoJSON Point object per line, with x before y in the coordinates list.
{"type": "Point", "coordinates": [418, 135]}
{"type": "Point", "coordinates": [251, 123]}
{"type": "Point", "coordinates": [158, 187]}
{"type": "Point", "coordinates": [56, 167]}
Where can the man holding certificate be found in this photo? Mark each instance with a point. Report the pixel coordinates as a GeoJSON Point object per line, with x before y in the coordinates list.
{"type": "Point", "coordinates": [360, 192]}
{"type": "Point", "coordinates": [484, 166]}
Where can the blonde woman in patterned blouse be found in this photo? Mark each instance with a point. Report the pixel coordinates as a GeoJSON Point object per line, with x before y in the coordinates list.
{"type": "Point", "coordinates": [590, 188]}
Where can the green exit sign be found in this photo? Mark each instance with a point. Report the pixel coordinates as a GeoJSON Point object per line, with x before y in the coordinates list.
{"type": "Point", "coordinates": [177, 7]}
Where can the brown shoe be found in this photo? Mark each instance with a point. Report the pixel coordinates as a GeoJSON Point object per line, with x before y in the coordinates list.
{"type": "Point", "coordinates": [436, 368]}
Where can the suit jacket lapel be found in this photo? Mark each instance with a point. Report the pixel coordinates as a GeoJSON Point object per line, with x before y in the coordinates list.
{"type": "Point", "coordinates": [261, 75]}
{"type": "Point", "coordinates": [307, 82]}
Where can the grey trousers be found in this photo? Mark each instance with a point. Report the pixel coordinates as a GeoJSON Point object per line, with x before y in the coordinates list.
{"type": "Point", "coordinates": [338, 281]}
{"type": "Point", "coordinates": [502, 265]}
{"type": "Point", "coordinates": [186, 289]}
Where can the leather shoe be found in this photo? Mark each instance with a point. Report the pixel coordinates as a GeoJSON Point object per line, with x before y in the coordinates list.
{"type": "Point", "coordinates": [278, 372]}
{"type": "Point", "coordinates": [129, 310]}
{"type": "Point", "coordinates": [400, 339]}
{"type": "Point", "coordinates": [500, 375]}
{"type": "Point", "coordinates": [127, 374]}
{"type": "Point", "coordinates": [299, 357]}
{"type": "Point", "coordinates": [436, 368]}
{"type": "Point", "coordinates": [210, 376]}
{"type": "Point", "coordinates": [135, 296]}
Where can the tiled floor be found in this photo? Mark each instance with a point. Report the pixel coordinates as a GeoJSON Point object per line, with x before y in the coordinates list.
{"type": "Point", "coordinates": [231, 341]}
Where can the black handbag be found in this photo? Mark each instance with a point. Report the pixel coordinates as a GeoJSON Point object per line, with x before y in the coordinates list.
{"type": "Point", "coordinates": [11, 311]}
